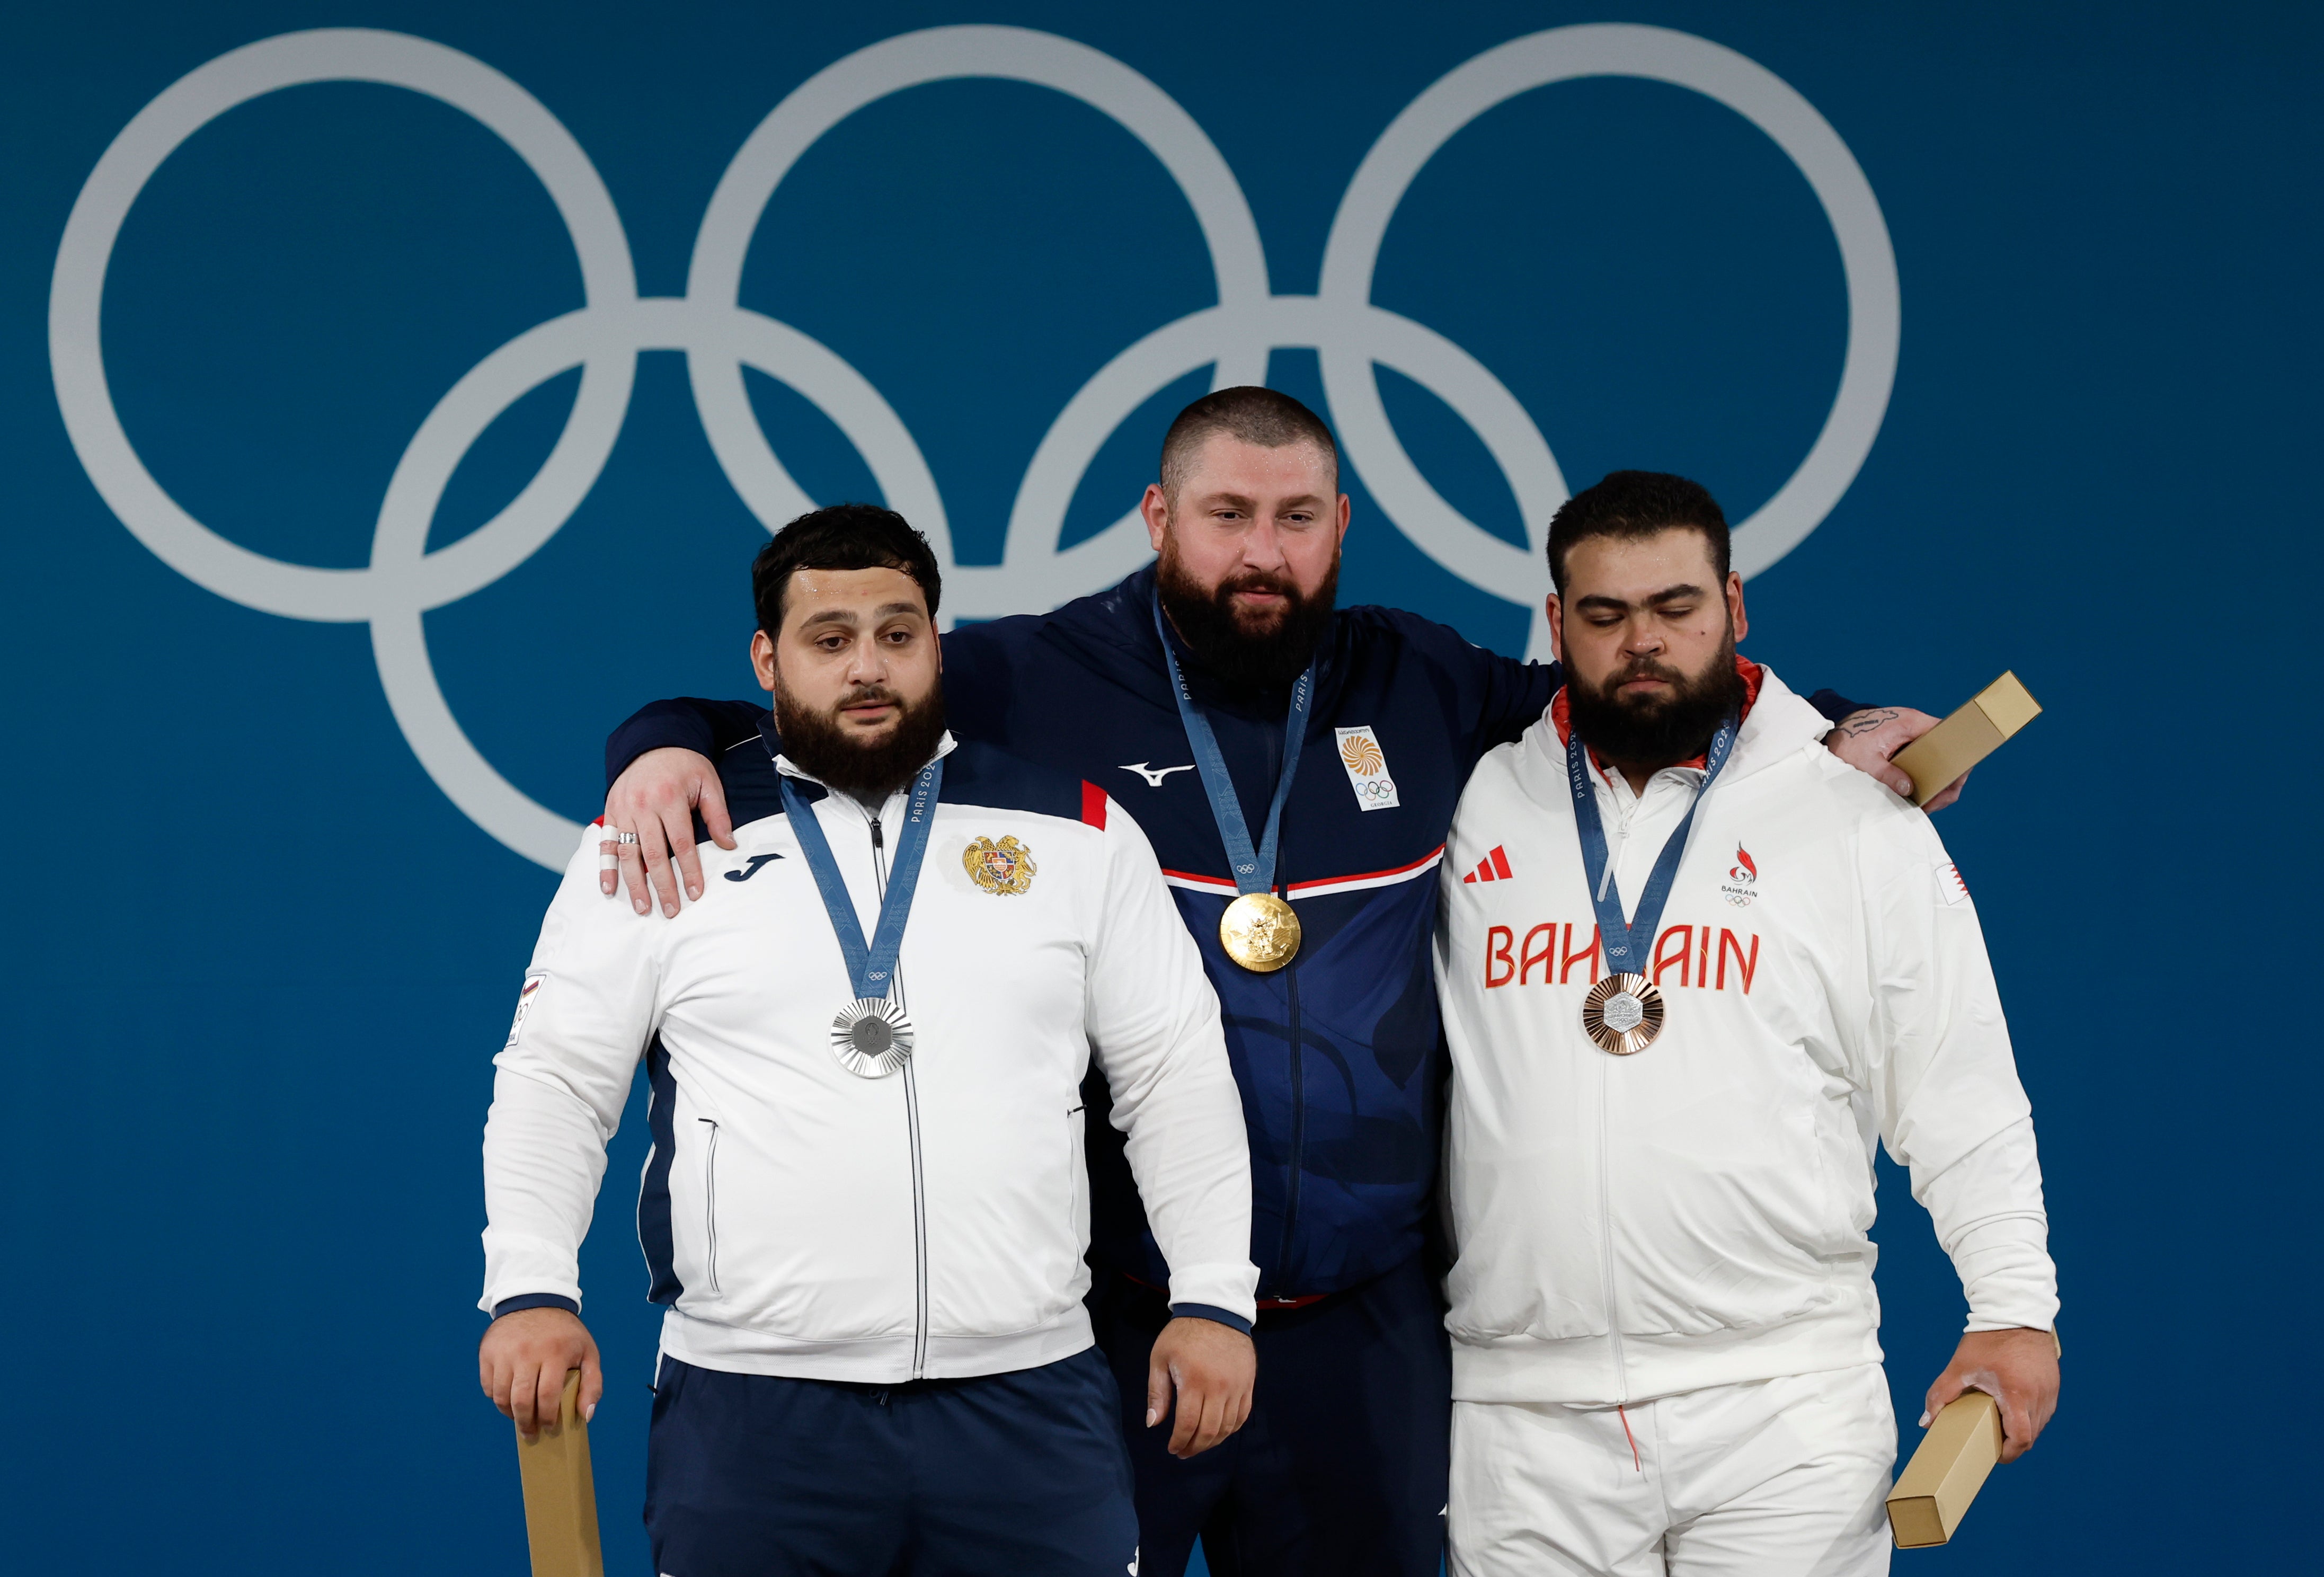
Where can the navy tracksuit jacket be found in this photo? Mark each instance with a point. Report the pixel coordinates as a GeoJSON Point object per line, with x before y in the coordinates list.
{"type": "Point", "coordinates": [1337, 1055]}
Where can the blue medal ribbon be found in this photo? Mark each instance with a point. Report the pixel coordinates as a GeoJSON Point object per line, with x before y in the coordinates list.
{"type": "Point", "coordinates": [1627, 943]}
{"type": "Point", "coordinates": [871, 968]}
{"type": "Point", "coordinates": [1253, 870]}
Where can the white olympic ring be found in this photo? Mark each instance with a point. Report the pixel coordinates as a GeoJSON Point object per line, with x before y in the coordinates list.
{"type": "Point", "coordinates": [720, 337]}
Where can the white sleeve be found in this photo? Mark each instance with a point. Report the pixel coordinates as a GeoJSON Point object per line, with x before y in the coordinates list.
{"type": "Point", "coordinates": [1944, 1081]}
{"type": "Point", "coordinates": [1152, 1023]}
{"type": "Point", "coordinates": [587, 1012]}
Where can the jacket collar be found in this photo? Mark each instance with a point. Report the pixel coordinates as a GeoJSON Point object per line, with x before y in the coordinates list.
{"type": "Point", "coordinates": [789, 767]}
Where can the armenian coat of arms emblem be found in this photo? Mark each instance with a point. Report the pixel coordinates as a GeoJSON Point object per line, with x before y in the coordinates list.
{"type": "Point", "coordinates": [1005, 868]}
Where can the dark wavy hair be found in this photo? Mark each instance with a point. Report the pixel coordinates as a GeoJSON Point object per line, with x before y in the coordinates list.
{"type": "Point", "coordinates": [1632, 504]}
{"type": "Point", "coordinates": [845, 536]}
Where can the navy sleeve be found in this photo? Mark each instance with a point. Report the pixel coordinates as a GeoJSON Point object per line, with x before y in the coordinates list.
{"type": "Point", "coordinates": [1835, 705]}
{"type": "Point", "coordinates": [708, 728]}
{"type": "Point", "coordinates": [1516, 694]}
{"type": "Point", "coordinates": [1233, 1322]}
{"type": "Point", "coordinates": [535, 1300]}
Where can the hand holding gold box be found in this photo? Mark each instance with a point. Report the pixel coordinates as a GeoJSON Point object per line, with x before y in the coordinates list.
{"type": "Point", "coordinates": [1939, 757]}
{"type": "Point", "coordinates": [560, 1497]}
{"type": "Point", "coordinates": [1933, 1494]}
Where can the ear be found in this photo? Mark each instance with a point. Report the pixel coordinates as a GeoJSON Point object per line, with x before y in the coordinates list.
{"type": "Point", "coordinates": [1735, 605]}
{"type": "Point", "coordinates": [1156, 508]}
{"type": "Point", "coordinates": [1343, 519]}
{"type": "Point", "coordinates": [763, 660]}
{"type": "Point", "coordinates": [1556, 611]}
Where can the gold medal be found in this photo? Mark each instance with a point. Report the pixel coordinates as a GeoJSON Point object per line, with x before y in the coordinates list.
{"type": "Point", "coordinates": [1260, 932]}
{"type": "Point", "coordinates": [1623, 1013]}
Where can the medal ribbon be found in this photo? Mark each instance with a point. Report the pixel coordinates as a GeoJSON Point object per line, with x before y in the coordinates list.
{"type": "Point", "coordinates": [1253, 870]}
{"type": "Point", "coordinates": [871, 968]}
{"type": "Point", "coordinates": [1627, 944]}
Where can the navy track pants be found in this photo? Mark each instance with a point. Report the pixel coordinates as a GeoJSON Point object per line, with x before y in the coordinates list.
{"type": "Point", "coordinates": [1007, 1475]}
{"type": "Point", "coordinates": [1343, 1469]}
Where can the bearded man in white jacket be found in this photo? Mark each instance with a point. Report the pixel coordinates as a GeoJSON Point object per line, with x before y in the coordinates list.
{"type": "Point", "coordinates": [867, 1229]}
{"type": "Point", "coordinates": [1694, 971]}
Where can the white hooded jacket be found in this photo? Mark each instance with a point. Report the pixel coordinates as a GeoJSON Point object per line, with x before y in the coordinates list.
{"type": "Point", "coordinates": [798, 1219]}
{"type": "Point", "coordinates": [1696, 1214]}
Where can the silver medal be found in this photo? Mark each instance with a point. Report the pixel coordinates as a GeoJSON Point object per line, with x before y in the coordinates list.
{"type": "Point", "coordinates": [871, 1038]}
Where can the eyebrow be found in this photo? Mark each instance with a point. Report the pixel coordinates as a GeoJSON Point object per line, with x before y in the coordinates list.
{"type": "Point", "coordinates": [847, 615]}
{"type": "Point", "coordinates": [1243, 501]}
{"type": "Point", "coordinates": [1669, 594]}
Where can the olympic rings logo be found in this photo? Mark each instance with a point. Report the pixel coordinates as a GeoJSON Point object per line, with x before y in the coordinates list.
{"type": "Point", "coordinates": [720, 337]}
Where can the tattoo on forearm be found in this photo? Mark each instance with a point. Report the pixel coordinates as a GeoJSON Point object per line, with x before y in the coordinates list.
{"type": "Point", "coordinates": [1866, 721]}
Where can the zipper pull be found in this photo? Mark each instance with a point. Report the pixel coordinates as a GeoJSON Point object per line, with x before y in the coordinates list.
{"type": "Point", "coordinates": [875, 834]}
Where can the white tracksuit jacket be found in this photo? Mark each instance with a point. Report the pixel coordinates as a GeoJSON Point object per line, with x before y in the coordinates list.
{"type": "Point", "coordinates": [800, 1219]}
{"type": "Point", "coordinates": [1695, 1214]}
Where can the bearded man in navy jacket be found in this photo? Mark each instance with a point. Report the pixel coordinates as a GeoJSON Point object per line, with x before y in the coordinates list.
{"type": "Point", "coordinates": [1342, 1465]}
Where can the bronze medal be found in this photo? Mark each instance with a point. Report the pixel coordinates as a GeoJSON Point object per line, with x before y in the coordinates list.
{"type": "Point", "coordinates": [1623, 1013]}
{"type": "Point", "coordinates": [1260, 932]}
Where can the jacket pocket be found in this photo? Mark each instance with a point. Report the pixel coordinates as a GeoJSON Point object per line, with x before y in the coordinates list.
{"type": "Point", "coordinates": [1077, 1166]}
{"type": "Point", "coordinates": [710, 1199]}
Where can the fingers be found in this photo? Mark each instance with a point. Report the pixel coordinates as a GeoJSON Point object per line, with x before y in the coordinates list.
{"type": "Point", "coordinates": [1188, 1423]}
{"type": "Point", "coordinates": [1948, 1387]}
{"type": "Point", "coordinates": [689, 864]}
{"type": "Point", "coordinates": [524, 1379]}
{"type": "Point", "coordinates": [1157, 1386]}
{"type": "Point", "coordinates": [592, 1383]}
{"type": "Point", "coordinates": [1947, 795]}
{"type": "Point", "coordinates": [2018, 1427]}
{"type": "Point", "coordinates": [714, 811]}
{"type": "Point", "coordinates": [634, 876]}
{"type": "Point", "coordinates": [1898, 780]}
{"type": "Point", "coordinates": [653, 844]}
{"type": "Point", "coordinates": [548, 1394]}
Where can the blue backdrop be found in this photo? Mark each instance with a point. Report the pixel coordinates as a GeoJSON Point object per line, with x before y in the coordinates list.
{"type": "Point", "coordinates": [285, 820]}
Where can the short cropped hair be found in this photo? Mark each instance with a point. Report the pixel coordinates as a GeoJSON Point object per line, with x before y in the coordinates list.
{"type": "Point", "coordinates": [1633, 504]}
{"type": "Point", "coordinates": [1248, 414]}
{"type": "Point", "coordinates": [845, 536]}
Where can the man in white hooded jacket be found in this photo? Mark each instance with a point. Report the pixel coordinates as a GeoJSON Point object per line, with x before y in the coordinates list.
{"type": "Point", "coordinates": [1692, 972]}
{"type": "Point", "coordinates": [867, 1229]}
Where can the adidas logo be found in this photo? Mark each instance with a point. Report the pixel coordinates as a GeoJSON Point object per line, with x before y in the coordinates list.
{"type": "Point", "coordinates": [1493, 867]}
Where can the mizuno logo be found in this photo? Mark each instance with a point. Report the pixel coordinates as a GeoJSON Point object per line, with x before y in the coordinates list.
{"type": "Point", "coordinates": [1493, 867]}
{"type": "Point", "coordinates": [747, 872]}
{"type": "Point", "coordinates": [1154, 775]}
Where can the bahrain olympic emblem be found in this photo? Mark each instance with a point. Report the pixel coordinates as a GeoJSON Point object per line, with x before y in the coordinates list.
{"type": "Point", "coordinates": [1005, 869]}
{"type": "Point", "coordinates": [1351, 336]}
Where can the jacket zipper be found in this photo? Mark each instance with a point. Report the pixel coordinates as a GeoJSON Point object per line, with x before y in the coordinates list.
{"type": "Point", "coordinates": [1298, 1125]}
{"type": "Point", "coordinates": [912, 1119]}
{"type": "Point", "coordinates": [1606, 1229]}
{"type": "Point", "coordinates": [710, 1196]}
{"type": "Point", "coordinates": [1297, 1051]}
{"type": "Point", "coordinates": [1606, 1170]}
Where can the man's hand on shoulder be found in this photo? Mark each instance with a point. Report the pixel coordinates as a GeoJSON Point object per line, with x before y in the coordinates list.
{"type": "Point", "coordinates": [655, 797]}
{"type": "Point", "coordinates": [524, 1358]}
{"type": "Point", "coordinates": [2018, 1368]}
{"type": "Point", "coordinates": [1869, 740]}
{"type": "Point", "coordinates": [1212, 1368]}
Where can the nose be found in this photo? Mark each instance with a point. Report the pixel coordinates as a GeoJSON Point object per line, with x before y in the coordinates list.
{"type": "Point", "coordinates": [1642, 637]}
{"type": "Point", "coordinates": [867, 662]}
{"type": "Point", "coordinates": [1262, 546]}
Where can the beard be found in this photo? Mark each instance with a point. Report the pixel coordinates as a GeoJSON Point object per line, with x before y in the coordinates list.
{"type": "Point", "coordinates": [1247, 652]}
{"type": "Point", "coordinates": [864, 769]}
{"type": "Point", "coordinates": [1652, 733]}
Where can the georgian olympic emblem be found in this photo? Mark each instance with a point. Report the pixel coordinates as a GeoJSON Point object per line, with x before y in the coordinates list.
{"type": "Point", "coordinates": [1351, 336]}
{"type": "Point", "coordinates": [1005, 869]}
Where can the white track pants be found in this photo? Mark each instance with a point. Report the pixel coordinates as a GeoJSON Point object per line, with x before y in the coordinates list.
{"type": "Point", "coordinates": [1782, 1478]}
